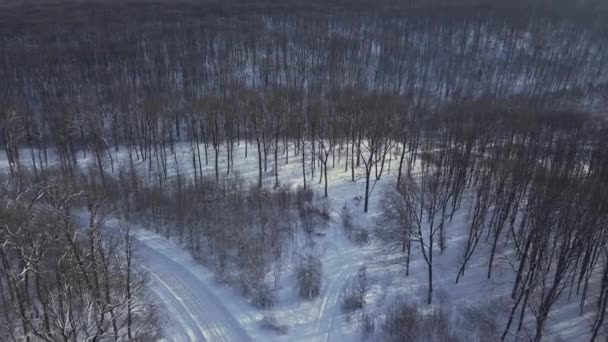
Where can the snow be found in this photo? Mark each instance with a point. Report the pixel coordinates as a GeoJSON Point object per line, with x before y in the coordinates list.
{"type": "Point", "coordinates": [197, 313]}
{"type": "Point", "coordinates": [199, 307]}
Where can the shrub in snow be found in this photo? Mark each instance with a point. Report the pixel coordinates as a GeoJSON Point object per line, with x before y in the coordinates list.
{"type": "Point", "coordinates": [308, 204]}
{"type": "Point", "coordinates": [252, 282]}
{"type": "Point", "coordinates": [368, 325]}
{"type": "Point", "coordinates": [436, 327]}
{"type": "Point", "coordinates": [400, 323]}
{"type": "Point", "coordinates": [284, 196]}
{"type": "Point", "coordinates": [309, 274]}
{"type": "Point", "coordinates": [269, 322]}
{"type": "Point", "coordinates": [303, 196]}
{"type": "Point", "coordinates": [263, 296]}
{"type": "Point", "coordinates": [353, 232]}
{"type": "Point", "coordinates": [325, 208]}
{"type": "Point", "coordinates": [314, 214]}
{"type": "Point", "coordinates": [353, 294]}
{"type": "Point", "coordinates": [480, 323]}
{"type": "Point", "coordinates": [347, 218]}
{"type": "Point", "coordinates": [309, 223]}
{"type": "Point", "coordinates": [359, 235]}
{"type": "Point", "coordinates": [404, 322]}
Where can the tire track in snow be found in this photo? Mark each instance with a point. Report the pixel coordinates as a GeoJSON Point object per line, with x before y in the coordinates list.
{"type": "Point", "coordinates": [162, 291]}
{"type": "Point", "coordinates": [196, 311]}
{"type": "Point", "coordinates": [216, 331]}
{"type": "Point", "coordinates": [329, 305]}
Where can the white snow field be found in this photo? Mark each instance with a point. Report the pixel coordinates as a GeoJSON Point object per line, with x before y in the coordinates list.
{"type": "Point", "coordinates": [198, 307]}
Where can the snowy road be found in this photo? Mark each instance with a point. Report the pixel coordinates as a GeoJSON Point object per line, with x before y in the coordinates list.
{"type": "Point", "coordinates": [195, 313]}
{"type": "Point", "coordinates": [192, 311]}
{"type": "Point", "coordinates": [329, 308]}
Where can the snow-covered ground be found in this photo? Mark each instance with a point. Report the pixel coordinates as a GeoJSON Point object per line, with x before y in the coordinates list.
{"type": "Point", "coordinates": [195, 312]}
{"type": "Point", "coordinates": [198, 306]}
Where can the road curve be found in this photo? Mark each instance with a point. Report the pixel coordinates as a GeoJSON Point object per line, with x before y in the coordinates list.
{"type": "Point", "coordinates": [195, 313]}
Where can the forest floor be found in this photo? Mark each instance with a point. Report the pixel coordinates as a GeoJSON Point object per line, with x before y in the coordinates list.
{"type": "Point", "coordinates": [198, 304]}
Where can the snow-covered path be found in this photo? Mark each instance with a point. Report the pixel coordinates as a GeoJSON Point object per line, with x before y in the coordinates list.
{"type": "Point", "coordinates": [196, 313]}
{"type": "Point", "coordinates": [193, 312]}
{"type": "Point", "coordinates": [329, 308]}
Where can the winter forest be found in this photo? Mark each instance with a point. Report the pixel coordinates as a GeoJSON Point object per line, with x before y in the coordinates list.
{"type": "Point", "coordinates": [346, 170]}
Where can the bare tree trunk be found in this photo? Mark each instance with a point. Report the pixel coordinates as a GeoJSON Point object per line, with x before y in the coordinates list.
{"type": "Point", "coordinates": [257, 138]}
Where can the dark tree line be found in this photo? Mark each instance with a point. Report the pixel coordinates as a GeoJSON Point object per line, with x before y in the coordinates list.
{"type": "Point", "coordinates": [529, 181]}
{"type": "Point", "coordinates": [101, 77]}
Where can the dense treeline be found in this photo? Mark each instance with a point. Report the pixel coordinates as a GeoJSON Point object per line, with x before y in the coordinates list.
{"type": "Point", "coordinates": [65, 278]}
{"type": "Point", "coordinates": [246, 235]}
{"type": "Point", "coordinates": [103, 78]}
{"type": "Point", "coordinates": [98, 78]}
{"type": "Point", "coordinates": [485, 111]}
{"type": "Point", "coordinates": [533, 183]}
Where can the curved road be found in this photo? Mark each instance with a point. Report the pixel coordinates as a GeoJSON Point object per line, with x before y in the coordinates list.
{"type": "Point", "coordinates": [194, 312]}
